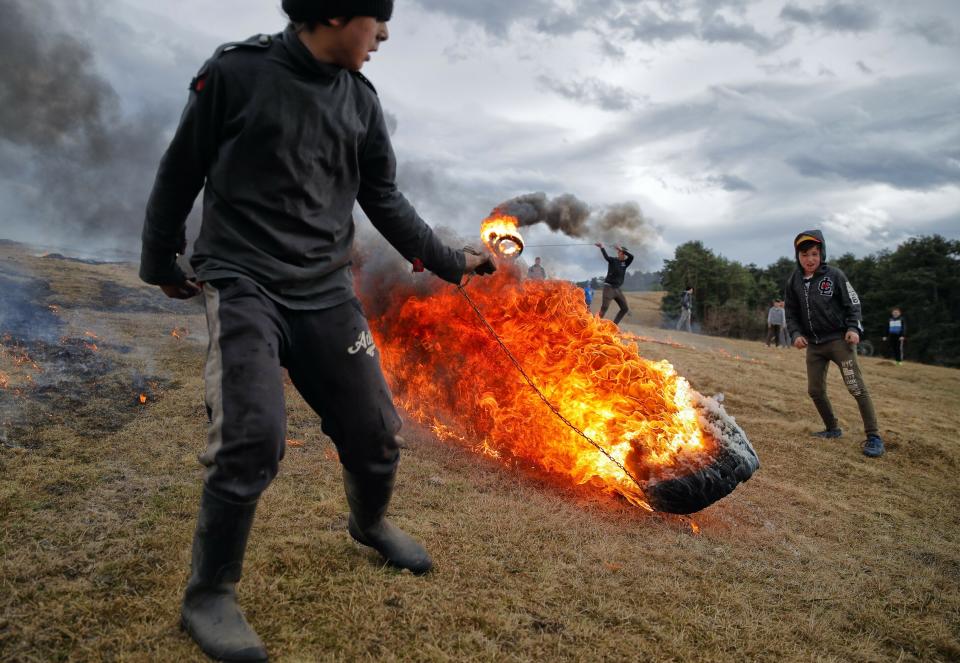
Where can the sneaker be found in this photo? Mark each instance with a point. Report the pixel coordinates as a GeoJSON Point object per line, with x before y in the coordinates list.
{"type": "Point", "coordinates": [829, 433]}
{"type": "Point", "coordinates": [873, 447]}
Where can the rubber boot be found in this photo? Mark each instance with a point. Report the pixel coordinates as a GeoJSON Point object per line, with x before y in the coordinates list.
{"type": "Point", "coordinates": [368, 496]}
{"type": "Point", "coordinates": [210, 614]}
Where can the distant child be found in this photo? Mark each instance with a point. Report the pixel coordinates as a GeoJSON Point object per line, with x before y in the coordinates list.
{"type": "Point", "coordinates": [686, 308]}
{"type": "Point", "coordinates": [823, 316]}
{"type": "Point", "coordinates": [784, 336]}
{"type": "Point", "coordinates": [536, 271]}
{"type": "Point", "coordinates": [776, 321]}
{"type": "Point", "coordinates": [896, 334]}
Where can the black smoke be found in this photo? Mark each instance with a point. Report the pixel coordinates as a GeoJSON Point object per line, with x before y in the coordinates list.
{"type": "Point", "coordinates": [75, 168]}
{"type": "Point", "coordinates": [619, 223]}
{"type": "Point", "coordinates": [565, 213]}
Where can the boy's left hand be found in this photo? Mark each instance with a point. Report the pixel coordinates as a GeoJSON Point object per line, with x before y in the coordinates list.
{"type": "Point", "coordinates": [852, 337]}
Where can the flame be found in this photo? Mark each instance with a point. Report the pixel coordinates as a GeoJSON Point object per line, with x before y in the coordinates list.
{"type": "Point", "coordinates": [91, 346]}
{"type": "Point", "coordinates": [179, 333]}
{"type": "Point", "coordinates": [90, 334]}
{"type": "Point", "coordinates": [448, 372]}
{"type": "Point", "coordinates": [499, 232]}
{"type": "Point", "coordinates": [143, 399]}
{"type": "Point", "coordinates": [293, 442]}
{"type": "Point", "coordinates": [4, 380]}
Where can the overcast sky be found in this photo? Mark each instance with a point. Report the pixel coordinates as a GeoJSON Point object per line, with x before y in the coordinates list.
{"type": "Point", "coordinates": [734, 122]}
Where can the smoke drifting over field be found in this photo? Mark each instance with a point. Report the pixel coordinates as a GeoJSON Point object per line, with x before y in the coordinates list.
{"type": "Point", "coordinates": [75, 169]}
{"type": "Point", "coordinates": [620, 223]}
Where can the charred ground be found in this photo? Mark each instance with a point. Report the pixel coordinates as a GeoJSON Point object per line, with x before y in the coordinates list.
{"type": "Point", "coordinates": [823, 554]}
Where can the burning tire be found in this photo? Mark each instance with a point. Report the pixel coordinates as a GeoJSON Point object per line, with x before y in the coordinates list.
{"type": "Point", "coordinates": [734, 463]}
{"type": "Point", "coordinates": [581, 404]}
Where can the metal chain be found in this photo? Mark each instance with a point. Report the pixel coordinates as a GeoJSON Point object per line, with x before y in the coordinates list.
{"type": "Point", "coordinates": [550, 405]}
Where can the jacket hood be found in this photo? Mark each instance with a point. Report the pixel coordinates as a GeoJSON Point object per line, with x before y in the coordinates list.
{"type": "Point", "coordinates": [804, 236]}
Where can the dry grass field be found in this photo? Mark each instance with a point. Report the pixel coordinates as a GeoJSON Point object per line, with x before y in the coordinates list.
{"type": "Point", "coordinates": [823, 555]}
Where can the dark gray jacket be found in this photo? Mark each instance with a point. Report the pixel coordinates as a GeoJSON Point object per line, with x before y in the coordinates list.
{"type": "Point", "coordinates": [282, 145]}
{"type": "Point", "coordinates": [616, 268]}
{"type": "Point", "coordinates": [825, 309]}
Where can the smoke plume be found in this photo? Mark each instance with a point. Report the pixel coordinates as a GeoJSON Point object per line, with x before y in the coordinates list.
{"type": "Point", "coordinates": [74, 168]}
{"type": "Point", "coordinates": [620, 223]}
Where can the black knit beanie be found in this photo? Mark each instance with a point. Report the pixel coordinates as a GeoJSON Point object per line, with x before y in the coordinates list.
{"type": "Point", "coordinates": [304, 11]}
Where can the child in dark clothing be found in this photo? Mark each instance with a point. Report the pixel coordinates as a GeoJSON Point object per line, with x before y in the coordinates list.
{"type": "Point", "coordinates": [896, 334]}
{"type": "Point", "coordinates": [823, 316]}
{"type": "Point", "coordinates": [284, 135]}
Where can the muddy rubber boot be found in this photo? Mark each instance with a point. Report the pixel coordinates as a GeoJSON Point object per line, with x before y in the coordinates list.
{"type": "Point", "coordinates": [368, 496]}
{"type": "Point", "coordinates": [210, 614]}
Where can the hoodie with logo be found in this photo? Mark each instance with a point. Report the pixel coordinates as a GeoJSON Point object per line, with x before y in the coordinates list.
{"type": "Point", "coordinates": [824, 307]}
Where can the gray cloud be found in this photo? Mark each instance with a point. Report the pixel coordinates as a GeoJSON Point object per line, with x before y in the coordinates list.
{"type": "Point", "coordinates": [798, 143]}
{"type": "Point", "coordinates": [495, 16]}
{"type": "Point", "coordinates": [935, 30]}
{"type": "Point", "coordinates": [729, 182]}
{"type": "Point", "coordinates": [592, 91]}
{"type": "Point", "coordinates": [614, 20]}
{"type": "Point", "coordinates": [862, 66]}
{"type": "Point", "coordinates": [719, 30]}
{"type": "Point", "coordinates": [791, 67]}
{"type": "Point", "coordinates": [834, 16]}
{"type": "Point", "coordinates": [897, 166]}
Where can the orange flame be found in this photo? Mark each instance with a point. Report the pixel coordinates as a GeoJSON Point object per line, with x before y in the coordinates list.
{"type": "Point", "coordinates": [448, 372]}
{"type": "Point", "coordinates": [4, 380]}
{"type": "Point", "coordinates": [143, 399]}
{"type": "Point", "coordinates": [179, 332]}
{"type": "Point", "coordinates": [499, 232]}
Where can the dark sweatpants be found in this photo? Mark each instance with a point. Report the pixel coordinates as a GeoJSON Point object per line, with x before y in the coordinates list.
{"type": "Point", "coordinates": [843, 355]}
{"type": "Point", "coordinates": [609, 292]}
{"type": "Point", "coordinates": [896, 347]}
{"type": "Point", "coordinates": [330, 357]}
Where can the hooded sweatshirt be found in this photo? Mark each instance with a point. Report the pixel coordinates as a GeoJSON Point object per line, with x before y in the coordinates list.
{"type": "Point", "coordinates": [825, 306]}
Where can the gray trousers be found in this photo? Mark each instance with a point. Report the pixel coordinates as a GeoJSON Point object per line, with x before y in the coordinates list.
{"type": "Point", "coordinates": [684, 320]}
{"type": "Point", "coordinates": [843, 355]}
{"type": "Point", "coordinates": [614, 294]}
{"type": "Point", "coordinates": [331, 359]}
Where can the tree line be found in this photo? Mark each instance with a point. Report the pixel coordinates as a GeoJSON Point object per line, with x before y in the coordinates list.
{"type": "Point", "coordinates": [921, 277]}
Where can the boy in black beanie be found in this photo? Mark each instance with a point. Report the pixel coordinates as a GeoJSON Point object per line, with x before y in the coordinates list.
{"type": "Point", "coordinates": [823, 316]}
{"type": "Point", "coordinates": [284, 134]}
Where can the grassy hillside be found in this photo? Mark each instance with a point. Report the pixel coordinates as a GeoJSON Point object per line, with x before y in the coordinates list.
{"type": "Point", "coordinates": [824, 554]}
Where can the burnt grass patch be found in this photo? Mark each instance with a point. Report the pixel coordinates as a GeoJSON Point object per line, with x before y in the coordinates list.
{"type": "Point", "coordinates": [119, 298]}
{"type": "Point", "coordinates": [23, 308]}
{"type": "Point", "coordinates": [74, 384]}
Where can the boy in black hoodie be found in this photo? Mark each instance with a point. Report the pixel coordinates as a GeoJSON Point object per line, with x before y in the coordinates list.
{"type": "Point", "coordinates": [284, 135]}
{"type": "Point", "coordinates": [823, 316]}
